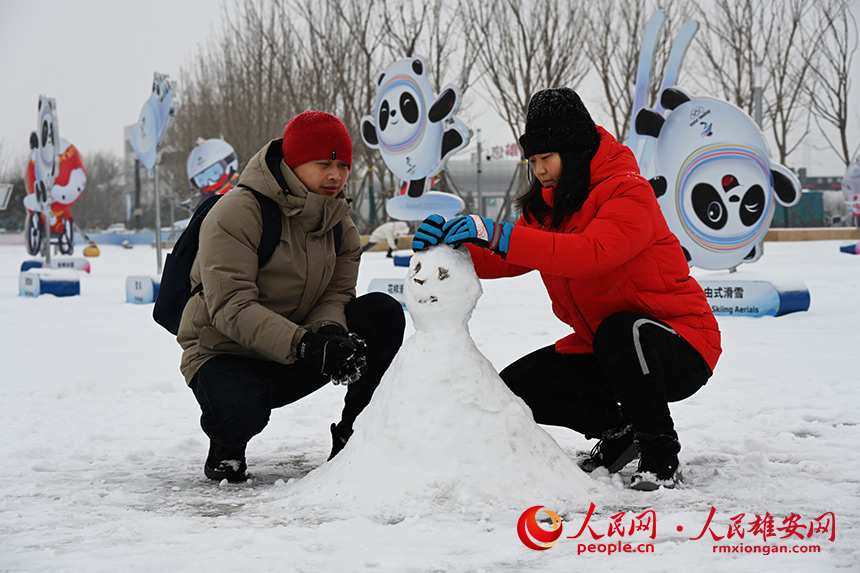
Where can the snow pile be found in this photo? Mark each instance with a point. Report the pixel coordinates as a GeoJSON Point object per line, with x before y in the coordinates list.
{"type": "Point", "coordinates": [443, 431]}
{"type": "Point", "coordinates": [103, 451]}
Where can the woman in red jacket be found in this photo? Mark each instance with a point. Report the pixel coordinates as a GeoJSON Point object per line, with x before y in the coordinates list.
{"type": "Point", "coordinates": [644, 334]}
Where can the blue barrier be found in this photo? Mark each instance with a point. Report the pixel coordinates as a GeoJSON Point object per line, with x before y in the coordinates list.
{"type": "Point", "coordinates": [35, 282]}
{"type": "Point", "coordinates": [141, 289]}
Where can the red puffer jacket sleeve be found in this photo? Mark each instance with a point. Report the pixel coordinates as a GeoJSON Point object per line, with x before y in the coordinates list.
{"type": "Point", "coordinates": [489, 265]}
{"type": "Point", "coordinates": [622, 227]}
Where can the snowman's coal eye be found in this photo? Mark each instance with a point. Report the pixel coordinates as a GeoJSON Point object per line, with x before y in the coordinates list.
{"type": "Point", "coordinates": [443, 274]}
{"type": "Point", "coordinates": [417, 266]}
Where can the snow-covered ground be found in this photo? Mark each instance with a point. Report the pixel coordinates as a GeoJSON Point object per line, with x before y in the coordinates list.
{"type": "Point", "coordinates": [102, 453]}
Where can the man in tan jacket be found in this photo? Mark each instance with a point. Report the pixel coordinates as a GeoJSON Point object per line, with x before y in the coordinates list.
{"type": "Point", "coordinates": [261, 337]}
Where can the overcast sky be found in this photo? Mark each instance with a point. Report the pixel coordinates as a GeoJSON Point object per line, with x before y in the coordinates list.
{"type": "Point", "coordinates": [97, 57]}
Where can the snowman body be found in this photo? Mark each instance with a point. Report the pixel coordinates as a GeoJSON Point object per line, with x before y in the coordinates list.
{"type": "Point", "coordinates": [442, 428]}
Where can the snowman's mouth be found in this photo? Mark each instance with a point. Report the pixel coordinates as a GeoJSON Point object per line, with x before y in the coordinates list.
{"type": "Point", "coordinates": [432, 299]}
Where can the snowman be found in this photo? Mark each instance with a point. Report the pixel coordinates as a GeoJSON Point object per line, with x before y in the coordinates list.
{"type": "Point", "coordinates": [442, 431]}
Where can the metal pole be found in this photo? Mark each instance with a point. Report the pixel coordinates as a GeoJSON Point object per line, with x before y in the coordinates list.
{"type": "Point", "coordinates": [48, 212]}
{"type": "Point", "coordinates": [480, 196]}
{"type": "Point", "coordinates": [157, 221]}
{"type": "Point", "coordinates": [757, 94]}
{"type": "Point", "coordinates": [138, 211]}
{"type": "Point", "coordinates": [372, 215]}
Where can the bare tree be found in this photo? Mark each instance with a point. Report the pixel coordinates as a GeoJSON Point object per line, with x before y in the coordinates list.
{"type": "Point", "coordinates": [436, 30]}
{"type": "Point", "coordinates": [526, 47]}
{"type": "Point", "coordinates": [616, 28]}
{"type": "Point", "coordinates": [246, 83]}
{"type": "Point", "coordinates": [103, 201]}
{"type": "Point", "coordinates": [787, 65]}
{"type": "Point", "coordinates": [831, 89]}
{"type": "Point", "coordinates": [15, 214]}
{"type": "Point", "coordinates": [355, 41]}
{"type": "Point", "coordinates": [729, 45]}
{"type": "Point", "coordinates": [348, 45]}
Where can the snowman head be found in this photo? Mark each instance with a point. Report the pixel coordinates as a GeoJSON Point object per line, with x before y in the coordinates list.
{"type": "Point", "coordinates": [441, 288]}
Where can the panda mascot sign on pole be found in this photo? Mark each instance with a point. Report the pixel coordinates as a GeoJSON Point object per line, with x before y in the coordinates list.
{"type": "Point", "coordinates": [212, 167]}
{"type": "Point", "coordinates": [416, 132]}
{"type": "Point", "coordinates": [45, 144]}
{"type": "Point", "coordinates": [711, 171]}
{"type": "Point", "coordinates": [65, 192]}
{"type": "Point", "coordinates": [146, 136]}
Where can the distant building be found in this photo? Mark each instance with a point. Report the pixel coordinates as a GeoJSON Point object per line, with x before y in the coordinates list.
{"type": "Point", "coordinates": [492, 182]}
{"type": "Point", "coordinates": [831, 183]}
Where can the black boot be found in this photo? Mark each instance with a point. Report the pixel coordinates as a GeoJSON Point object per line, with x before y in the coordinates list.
{"type": "Point", "coordinates": [339, 438]}
{"type": "Point", "coordinates": [225, 463]}
{"type": "Point", "coordinates": [615, 450]}
{"type": "Point", "coordinates": [658, 462]}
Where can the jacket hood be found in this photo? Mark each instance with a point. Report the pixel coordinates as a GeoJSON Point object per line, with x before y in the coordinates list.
{"type": "Point", "coordinates": [611, 159]}
{"type": "Point", "coordinates": [267, 173]}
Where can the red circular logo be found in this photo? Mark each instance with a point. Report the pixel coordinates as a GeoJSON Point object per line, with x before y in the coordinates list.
{"type": "Point", "coordinates": [532, 534]}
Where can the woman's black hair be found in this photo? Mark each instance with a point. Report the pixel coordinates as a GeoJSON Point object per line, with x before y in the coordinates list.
{"type": "Point", "coordinates": [570, 192]}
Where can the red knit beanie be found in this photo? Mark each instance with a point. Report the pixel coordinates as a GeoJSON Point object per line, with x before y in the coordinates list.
{"type": "Point", "coordinates": [315, 135]}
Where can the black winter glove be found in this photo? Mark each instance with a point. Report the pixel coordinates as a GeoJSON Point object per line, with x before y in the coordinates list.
{"type": "Point", "coordinates": [335, 353]}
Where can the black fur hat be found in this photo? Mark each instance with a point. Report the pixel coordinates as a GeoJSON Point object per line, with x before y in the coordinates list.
{"type": "Point", "coordinates": [557, 121]}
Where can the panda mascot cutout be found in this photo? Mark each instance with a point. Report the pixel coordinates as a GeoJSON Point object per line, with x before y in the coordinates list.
{"type": "Point", "coordinates": [66, 190]}
{"type": "Point", "coordinates": [416, 132]}
{"type": "Point", "coordinates": [714, 179]}
{"type": "Point", "coordinates": [851, 189]}
{"type": "Point", "coordinates": [45, 157]}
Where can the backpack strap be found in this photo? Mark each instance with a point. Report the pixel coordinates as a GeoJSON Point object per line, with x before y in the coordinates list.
{"type": "Point", "coordinates": [271, 227]}
{"type": "Point", "coordinates": [338, 236]}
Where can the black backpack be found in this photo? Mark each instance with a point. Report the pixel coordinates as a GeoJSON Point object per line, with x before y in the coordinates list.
{"type": "Point", "coordinates": [175, 288]}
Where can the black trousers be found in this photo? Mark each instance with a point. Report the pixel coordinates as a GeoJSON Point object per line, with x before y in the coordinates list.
{"type": "Point", "coordinates": [237, 394]}
{"type": "Point", "coordinates": [639, 363]}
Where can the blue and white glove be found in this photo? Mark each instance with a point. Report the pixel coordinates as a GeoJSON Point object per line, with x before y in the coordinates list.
{"type": "Point", "coordinates": [429, 233]}
{"type": "Point", "coordinates": [481, 231]}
